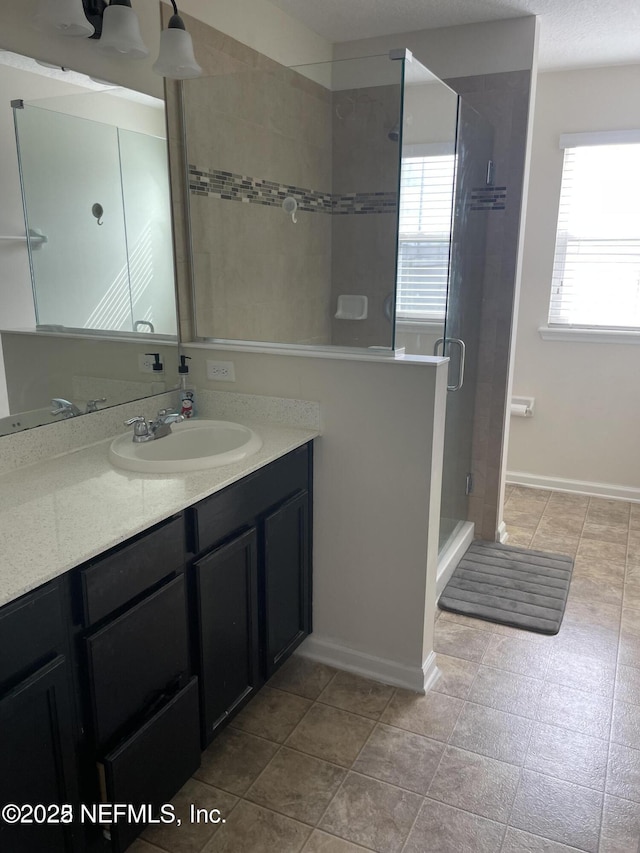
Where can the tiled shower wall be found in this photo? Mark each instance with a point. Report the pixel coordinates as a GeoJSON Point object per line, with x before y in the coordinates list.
{"type": "Point", "coordinates": [365, 164]}
{"type": "Point", "coordinates": [257, 133]}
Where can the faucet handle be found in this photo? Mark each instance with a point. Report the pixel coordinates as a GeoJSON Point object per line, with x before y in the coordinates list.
{"type": "Point", "coordinates": [92, 405]}
{"type": "Point", "coordinates": [140, 425]}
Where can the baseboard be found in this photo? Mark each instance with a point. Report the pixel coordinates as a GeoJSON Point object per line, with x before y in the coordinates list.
{"type": "Point", "coordinates": [503, 534]}
{"type": "Point", "coordinates": [416, 678]}
{"type": "Point", "coordinates": [452, 555]}
{"type": "Point", "coordinates": [579, 487]}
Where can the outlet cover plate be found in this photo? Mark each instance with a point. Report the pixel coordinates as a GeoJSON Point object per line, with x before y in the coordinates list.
{"type": "Point", "coordinates": [220, 371]}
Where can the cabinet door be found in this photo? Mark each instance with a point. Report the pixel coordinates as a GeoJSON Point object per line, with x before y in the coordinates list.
{"type": "Point", "coordinates": [287, 570]}
{"type": "Point", "coordinates": [37, 762]}
{"type": "Point", "coordinates": [227, 607]}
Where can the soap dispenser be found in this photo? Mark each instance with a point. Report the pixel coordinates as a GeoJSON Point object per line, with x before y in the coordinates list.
{"type": "Point", "coordinates": [187, 391]}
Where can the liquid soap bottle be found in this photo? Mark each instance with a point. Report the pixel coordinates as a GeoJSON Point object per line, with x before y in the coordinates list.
{"type": "Point", "coordinates": [187, 391]}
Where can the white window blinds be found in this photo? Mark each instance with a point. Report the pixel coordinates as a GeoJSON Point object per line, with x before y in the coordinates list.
{"type": "Point", "coordinates": [426, 194]}
{"type": "Point", "coordinates": [596, 271]}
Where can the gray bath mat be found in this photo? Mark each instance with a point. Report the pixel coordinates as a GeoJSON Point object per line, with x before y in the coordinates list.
{"type": "Point", "coordinates": [512, 586]}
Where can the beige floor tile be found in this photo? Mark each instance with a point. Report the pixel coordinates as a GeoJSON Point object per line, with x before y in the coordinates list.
{"type": "Point", "coordinates": [444, 829]}
{"type": "Point", "coordinates": [620, 826]}
{"type": "Point", "coordinates": [629, 651]}
{"type": "Point", "coordinates": [568, 504]}
{"type": "Point", "coordinates": [608, 532]}
{"type": "Point", "coordinates": [577, 710]}
{"type": "Point", "coordinates": [456, 676]}
{"type": "Point", "coordinates": [522, 657]}
{"type": "Point", "coordinates": [252, 828]}
{"type": "Point", "coordinates": [623, 772]}
{"type": "Point", "coordinates": [525, 494]}
{"type": "Point", "coordinates": [433, 715]}
{"type": "Point", "coordinates": [522, 520]}
{"type": "Point", "coordinates": [331, 734]}
{"type": "Point", "coordinates": [372, 813]}
{"type": "Point", "coordinates": [587, 640]}
{"type": "Point", "coordinates": [520, 537]}
{"type": "Point", "coordinates": [560, 811]}
{"type": "Point", "coordinates": [632, 573]}
{"type": "Point", "coordinates": [400, 758]}
{"type": "Point", "coordinates": [590, 589]}
{"type": "Point", "coordinates": [625, 728]}
{"type": "Point", "coordinates": [493, 733]}
{"type": "Point", "coordinates": [516, 841]}
{"type": "Point", "coordinates": [634, 518]}
{"type": "Point", "coordinates": [628, 684]}
{"type": "Point", "coordinates": [555, 543]}
{"type": "Point", "coordinates": [359, 695]}
{"type": "Point", "coordinates": [632, 596]}
{"type": "Point", "coordinates": [523, 634]}
{"type": "Point", "coordinates": [603, 511]}
{"type": "Point", "coordinates": [581, 672]}
{"type": "Point", "coordinates": [297, 785]}
{"type": "Point", "coordinates": [589, 613]}
{"type": "Point", "coordinates": [506, 691]}
{"type": "Point", "coordinates": [598, 569]}
{"type": "Point", "coordinates": [460, 641]}
{"type": "Point", "coordinates": [234, 761]}
{"type": "Point", "coordinates": [322, 842]}
{"type": "Point", "coordinates": [567, 755]}
{"type": "Point", "coordinates": [475, 784]}
{"type": "Point", "coordinates": [191, 836]}
{"type": "Point", "coordinates": [607, 553]}
{"type": "Point", "coordinates": [303, 677]}
{"type": "Point", "coordinates": [555, 524]}
{"type": "Point", "coordinates": [272, 714]}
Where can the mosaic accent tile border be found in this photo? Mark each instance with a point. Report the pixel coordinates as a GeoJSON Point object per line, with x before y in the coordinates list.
{"type": "Point", "coordinates": [488, 198]}
{"type": "Point", "coordinates": [233, 187]}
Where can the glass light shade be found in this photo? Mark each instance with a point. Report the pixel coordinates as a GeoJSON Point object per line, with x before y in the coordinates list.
{"type": "Point", "coordinates": [176, 59]}
{"type": "Point", "coordinates": [64, 17]}
{"type": "Point", "coordinates": [121, 34]}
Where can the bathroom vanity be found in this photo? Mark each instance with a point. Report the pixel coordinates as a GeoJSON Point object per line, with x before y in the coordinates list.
{"type": "Point", "coordinates": [118, 670]}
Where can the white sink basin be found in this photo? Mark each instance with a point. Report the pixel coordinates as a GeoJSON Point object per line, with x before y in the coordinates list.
{"type": "Point", "coordinates": [192, 446]}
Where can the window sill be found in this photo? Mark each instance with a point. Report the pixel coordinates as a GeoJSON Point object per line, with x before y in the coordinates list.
{"type": "Point", "coordinates": [590, 336]}
{"type": "Point", "coordinates": [425, 327]}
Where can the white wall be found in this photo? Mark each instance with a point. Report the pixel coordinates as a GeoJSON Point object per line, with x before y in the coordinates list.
{"type": "Point", "coordinates": [585, 428]}
{"type": "Point", "coordinates": [459, 51]}
{"type": "Point", "coordinates": [376, 496]}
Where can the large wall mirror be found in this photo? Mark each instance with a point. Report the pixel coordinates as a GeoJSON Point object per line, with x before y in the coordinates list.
{"type": "Point", "coordinates": [87, 285]}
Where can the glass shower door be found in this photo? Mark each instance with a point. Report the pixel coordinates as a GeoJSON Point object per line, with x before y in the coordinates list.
{"type": "Point", "coordinates": [474, 147]}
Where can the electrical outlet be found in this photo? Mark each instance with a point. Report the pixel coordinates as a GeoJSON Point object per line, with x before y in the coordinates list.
{"type": "Point", "coordinates": [145, 363]}
{"type": "Point", "coordinates": [221, 371]}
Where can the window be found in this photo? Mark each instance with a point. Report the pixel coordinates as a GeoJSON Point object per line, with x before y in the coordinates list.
{"type": "Point", "coordinates": [426, 197]}
{"type": "Point", "coordinates": [596, 271]}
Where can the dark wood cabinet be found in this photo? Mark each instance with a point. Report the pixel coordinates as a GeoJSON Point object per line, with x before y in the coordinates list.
{"type": "Point", "coordinates": [113, 676]}
{"type": "Point", "coordinates": [38, 729]}
{"type": "Point", "coordinates": [226, 586]}
{"type": "Point", "coordinates": [287, 562]}
{"type": "Point", "coordinates": [252, 583]}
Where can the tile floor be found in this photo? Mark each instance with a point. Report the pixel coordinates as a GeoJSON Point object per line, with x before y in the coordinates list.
{"type": "Point", "coordinates": [527, 743]}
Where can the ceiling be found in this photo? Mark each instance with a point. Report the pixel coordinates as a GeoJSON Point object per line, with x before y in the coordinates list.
{"type": "Point", "coordinates": [573, 33]}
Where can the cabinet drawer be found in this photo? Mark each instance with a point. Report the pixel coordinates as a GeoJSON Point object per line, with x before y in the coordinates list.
{"type": "Point", "coordinates": [31, 630]}
{"type": "Point", "coordinates": [155, 762]}
{"type": "Point", "coordinates": [126, 573]}
{"type": "Point", "coordinates": [217, 517]}
{"type": "Point", "coordinates": [136, 658]}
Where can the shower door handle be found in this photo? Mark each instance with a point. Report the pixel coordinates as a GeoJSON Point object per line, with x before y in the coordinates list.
{"type": "Point", "coordinates": [463, 351]}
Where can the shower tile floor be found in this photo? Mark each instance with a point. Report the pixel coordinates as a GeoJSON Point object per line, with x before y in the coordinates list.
{"type": "Point", "coordinates": [526, 743]}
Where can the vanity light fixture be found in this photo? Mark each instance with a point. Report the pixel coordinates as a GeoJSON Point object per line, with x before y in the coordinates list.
{"type": "Point", "coordinates": [176, 60]}
{"type": "Point", "coordinates": [116, 27]}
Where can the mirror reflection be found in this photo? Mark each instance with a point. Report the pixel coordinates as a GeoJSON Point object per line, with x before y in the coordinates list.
{"type": "Point", "coordinates": [89, 295]}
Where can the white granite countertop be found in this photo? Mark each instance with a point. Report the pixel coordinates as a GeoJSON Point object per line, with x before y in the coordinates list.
{"type": "Point", "coordinates": [56, 514]}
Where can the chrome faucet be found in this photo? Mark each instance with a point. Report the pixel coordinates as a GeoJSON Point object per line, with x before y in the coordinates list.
{"type": "Point", "coordinates": [158, 428]}
{"type": "Point", "coordinates": [64, 408]}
